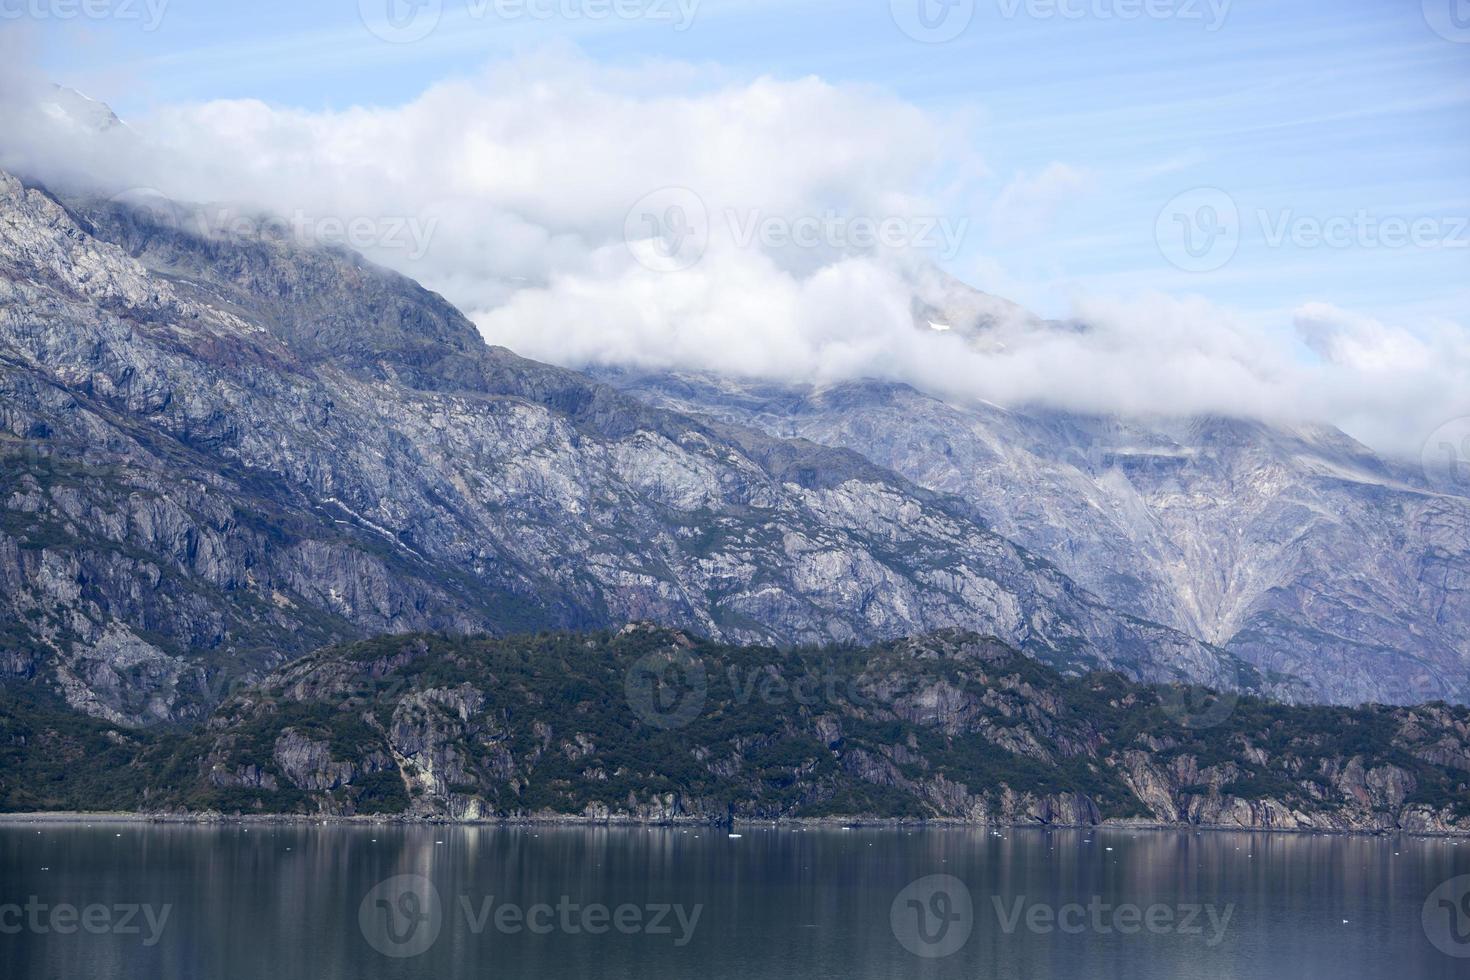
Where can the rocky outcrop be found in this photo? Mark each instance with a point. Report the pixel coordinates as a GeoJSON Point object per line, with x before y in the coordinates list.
{"type": "Point", "coordinates": [655, 726]}
{"type": "Point", "coordinates": [1296, 548]}
{"type": "Point", "coordinates": [307, 763]}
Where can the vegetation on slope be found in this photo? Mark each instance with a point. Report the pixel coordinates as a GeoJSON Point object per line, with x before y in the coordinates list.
{"type": "Point", "coordinates": [650, 724]}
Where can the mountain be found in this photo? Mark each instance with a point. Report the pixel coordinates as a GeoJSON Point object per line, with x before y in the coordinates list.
{"type": "Point", "coordinates": [222, 451]}
{"type": "Point", "coordinates": [654, 725]}
{"type": "Point", "coordinates": [71, 108]}
{"type": "Point", "coordinates": [1295, 548]}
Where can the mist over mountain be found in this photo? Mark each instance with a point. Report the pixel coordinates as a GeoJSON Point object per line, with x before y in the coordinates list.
{"type": "Point", "coordinates": [291, 446]}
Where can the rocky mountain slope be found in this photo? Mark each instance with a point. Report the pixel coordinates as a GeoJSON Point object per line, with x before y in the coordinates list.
{"type": "Point", "coordinates": [655, 725]}
{"type": "Point", "coordinates": [1297, 549]}
{"type": "Point", "coordinates": [222, 451]}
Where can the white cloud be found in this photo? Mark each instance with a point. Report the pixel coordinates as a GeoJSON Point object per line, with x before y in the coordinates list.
{"type": "Point", "coordinates": [522, 178]}
{"type": "Point", "coordinates": [1361, 343]}
{"type": "Point", "coordinates": [1388, 385]}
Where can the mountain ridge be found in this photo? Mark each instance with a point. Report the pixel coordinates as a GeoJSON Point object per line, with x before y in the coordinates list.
{"type": "Point", "coordinates": [1296, 547]}
{"type": "Point", "coordinates": [233, 450]}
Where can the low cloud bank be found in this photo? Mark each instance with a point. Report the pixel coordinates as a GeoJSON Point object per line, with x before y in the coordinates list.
{"type": "Point", "coordinates": [670, 217]}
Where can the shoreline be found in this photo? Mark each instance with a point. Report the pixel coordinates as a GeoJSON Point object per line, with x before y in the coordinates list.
{"type": "Point", "coordinates": [817, 823]}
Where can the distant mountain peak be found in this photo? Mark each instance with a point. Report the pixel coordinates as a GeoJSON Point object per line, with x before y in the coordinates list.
{"type": "Point", "coordinates": [67, 105]}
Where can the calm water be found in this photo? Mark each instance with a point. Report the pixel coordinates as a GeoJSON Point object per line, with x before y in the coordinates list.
{"type": "Point", "coordinates": [321, 903]}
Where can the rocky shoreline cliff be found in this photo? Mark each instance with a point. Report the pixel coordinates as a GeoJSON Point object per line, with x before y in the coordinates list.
{"type": "Point", "coordinates": [653, 726]}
